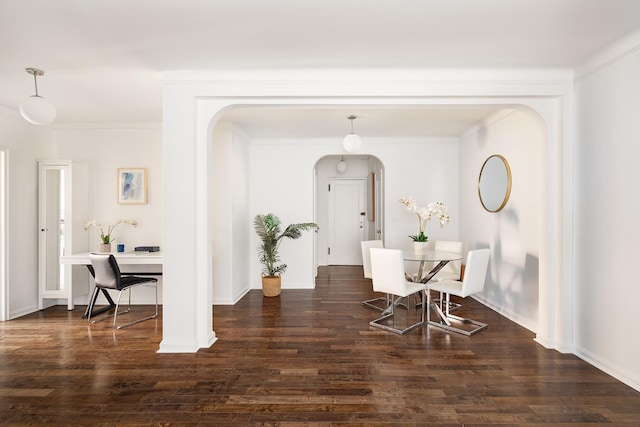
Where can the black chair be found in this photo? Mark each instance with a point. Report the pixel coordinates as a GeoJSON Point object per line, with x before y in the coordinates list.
{"type": "Point", "coordinates": [107, 276]}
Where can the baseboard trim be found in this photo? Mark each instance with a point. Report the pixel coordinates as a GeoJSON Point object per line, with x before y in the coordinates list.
{"type": "Point", "coordinates": [621, 374]}
{"type": "Point", "coordinates": [178, 347]}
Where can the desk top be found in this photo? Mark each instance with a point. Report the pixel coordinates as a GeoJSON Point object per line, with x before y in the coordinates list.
{"type": "Point", "coordinates": [432, 256]}
{"type": "Point", "coordinates": [137, 257]}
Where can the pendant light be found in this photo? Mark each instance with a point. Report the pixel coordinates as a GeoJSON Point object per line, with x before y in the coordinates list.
{"type": "Point", "coordinates": [36, 109]}
{"type": "Point", "coordinates": [352, 141]}
{"type": "Point", "coordinates": [342, 166]}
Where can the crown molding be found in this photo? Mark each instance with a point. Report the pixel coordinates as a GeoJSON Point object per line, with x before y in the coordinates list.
{"type": "Point", "coordinates": [108, 126]}
{"type": "Point", "coordinates": [614, 52]}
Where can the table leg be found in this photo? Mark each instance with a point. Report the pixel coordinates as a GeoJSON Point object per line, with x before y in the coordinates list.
{"type": "Point", "coordinates": [443, 317]}
{"type": "Point", "coordinates": [429, 276]}
{"type": "Point", "coordinates": [433, 271]}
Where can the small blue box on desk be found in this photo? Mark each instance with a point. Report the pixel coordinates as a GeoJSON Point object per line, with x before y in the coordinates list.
{"type": "Point", "coordinates": [147, 248]}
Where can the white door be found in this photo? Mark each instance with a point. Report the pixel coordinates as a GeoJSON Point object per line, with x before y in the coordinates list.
{"type": "Point", "coordinates": [346, 221]}
{"type": "Point", "coordinates": [51, 206]}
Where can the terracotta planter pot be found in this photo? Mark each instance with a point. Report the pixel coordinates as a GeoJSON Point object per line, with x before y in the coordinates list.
{"type": "Point", "coordinates": [271, 286]}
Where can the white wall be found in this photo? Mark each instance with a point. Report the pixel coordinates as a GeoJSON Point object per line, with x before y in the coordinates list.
{"type": "Point", "coordinates": [607, 223]}
{"type": "Point", "coordinates": [281, 182]}
{"type": "Point", "coordinates": [424, 168]}
{"type": "Point", "coordinates": [105, 149]}
{"type": "Point", "coordinates": [230, 205]}
{"type": "Point", "coordinates": [222, 215]}
{"type": "Point", "coordinates": [428, 171]}
{"type": "Point", "coordinates": [24, 144]}
{"type": "Point", "coordinates": [241, 216]}
{"type": "Point", "coordinates": [513, 234]}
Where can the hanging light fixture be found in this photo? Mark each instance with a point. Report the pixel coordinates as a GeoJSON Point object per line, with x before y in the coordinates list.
{"type": "Point", "coordinates": [35, 109]}
{"type": "Point", "coordinates": [342, 166]}
{"type": "Point", "coordinates": [352, 141]}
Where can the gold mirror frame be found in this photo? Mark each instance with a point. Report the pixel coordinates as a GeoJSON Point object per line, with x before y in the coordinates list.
{"type": "Point", "coordinates": [492, 185]}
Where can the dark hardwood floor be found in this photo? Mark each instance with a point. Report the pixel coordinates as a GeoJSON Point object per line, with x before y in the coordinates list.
{"type": "Point", "coordinates": [304, 358]}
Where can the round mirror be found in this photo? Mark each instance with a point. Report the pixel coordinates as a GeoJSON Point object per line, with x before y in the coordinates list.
{"type": "Point", "coordinates": [494, 183]}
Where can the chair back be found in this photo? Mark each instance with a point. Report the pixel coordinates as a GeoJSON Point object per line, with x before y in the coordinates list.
{"type": "Point", "coordinates": [366, 255]}
{"type": "Point", "coordinates": [451, 271]}
{"type": "Point", "coordinates": [387, 270]}
{"type": "Point", "coordinates": [106, 271]}
{"type": "Point", "coordinates": [475, 272]}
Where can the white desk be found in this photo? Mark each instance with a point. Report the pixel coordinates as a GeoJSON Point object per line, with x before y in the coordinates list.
{"type": "Point", "coordinates": [123, 258]}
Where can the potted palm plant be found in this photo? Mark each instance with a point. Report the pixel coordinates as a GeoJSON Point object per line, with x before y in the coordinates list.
{"type": "Point", "coordinates": [271, 234]}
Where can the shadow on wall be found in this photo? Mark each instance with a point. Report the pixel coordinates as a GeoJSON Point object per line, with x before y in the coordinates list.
{"type": "Point", "coordinates": [530, 293]}
{"type": "Point", "coordinates": [513, 283]}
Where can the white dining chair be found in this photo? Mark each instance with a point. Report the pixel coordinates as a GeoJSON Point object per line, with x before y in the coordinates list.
{"type": "Point", "coordinates": [388, 276]}
{"type": "Point", "coordinates": [378, 303]}
{"type": "Point", "coordinates": [451, 271]}
{"type": "Point", "coordinates": [472, 283]}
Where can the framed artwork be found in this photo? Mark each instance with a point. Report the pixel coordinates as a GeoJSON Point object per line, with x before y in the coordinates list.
{"type": "Point", "coordinates": [132, 186]}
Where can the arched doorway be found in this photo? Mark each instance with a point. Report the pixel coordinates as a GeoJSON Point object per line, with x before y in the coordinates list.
{"type": "Point", "coordinates": [197, 126]}
{"type": "Point", "coordinates": [349, 206]}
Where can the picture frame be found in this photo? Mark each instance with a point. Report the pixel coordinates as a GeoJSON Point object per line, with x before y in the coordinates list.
{"type": "Point", "coordinates": [132, 186]}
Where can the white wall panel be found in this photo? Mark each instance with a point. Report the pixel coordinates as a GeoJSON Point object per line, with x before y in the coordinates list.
{"type": "Point", "coordinates": [24, 144]}
{"type": "Point", "coordinates": [513, 234]}
{"type": "Point", "coordinates": [607, 223]}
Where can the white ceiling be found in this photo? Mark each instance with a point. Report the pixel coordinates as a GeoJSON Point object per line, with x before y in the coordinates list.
{"type": "Point", "coordinates": [103, 59]}
{"type": "Point", "coordinates": [371, 121]}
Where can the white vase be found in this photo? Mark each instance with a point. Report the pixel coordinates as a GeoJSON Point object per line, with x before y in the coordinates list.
{"type": "Point", "coordinates": [420, 247]}
{"type": "Point", "coordinates": [105, 247]}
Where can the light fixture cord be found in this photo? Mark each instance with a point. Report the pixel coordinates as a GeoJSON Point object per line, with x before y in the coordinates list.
{"type": "Point", "coordinates": [35, 82]}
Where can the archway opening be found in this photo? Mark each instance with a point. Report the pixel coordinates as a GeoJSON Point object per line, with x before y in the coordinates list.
{"type": "Point", "coordinates": [332, 148]}
{"type": "Point", "coordinates": [349, 206]}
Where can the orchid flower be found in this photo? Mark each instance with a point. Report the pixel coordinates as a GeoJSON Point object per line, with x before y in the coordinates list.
{"type": "Point", "coordinates": [424, 215]}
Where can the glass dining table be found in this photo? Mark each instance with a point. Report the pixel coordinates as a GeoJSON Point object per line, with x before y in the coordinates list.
{"type": "Point", "coordinates": [425, 258]}
{"type": "Point", "coordinates": [440, 258]}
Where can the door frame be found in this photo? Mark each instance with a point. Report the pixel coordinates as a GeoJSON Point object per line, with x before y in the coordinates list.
{"type": "Point", "coordinates": [324, 169]}
{"type": "Point", "coordinates": [4, 239]}
{"type": "Point", "coordinates": [330, 217]}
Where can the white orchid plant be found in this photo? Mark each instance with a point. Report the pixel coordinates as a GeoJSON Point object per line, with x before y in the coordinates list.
{"type": "Point", "coordinates": [108, 236]}
{"type": "Point", "coordinates": [424, 215]}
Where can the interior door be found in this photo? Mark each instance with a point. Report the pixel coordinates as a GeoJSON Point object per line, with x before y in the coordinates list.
{"type": "Point", "coordinates": [62, 196]}
{"type": "Point", "coordinates": [52, 226]}
{"type": "Point", "coordinates": [346, 221]}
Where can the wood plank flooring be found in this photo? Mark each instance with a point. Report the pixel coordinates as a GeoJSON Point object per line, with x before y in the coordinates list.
{"type": "Point", "coordinates": [308, 358]}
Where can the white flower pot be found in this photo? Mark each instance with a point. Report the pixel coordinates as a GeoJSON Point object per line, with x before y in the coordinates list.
{"type": "Point", "coordinates": [105, 247]}
{"type": "Point", "coordinates": [420, 247]}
